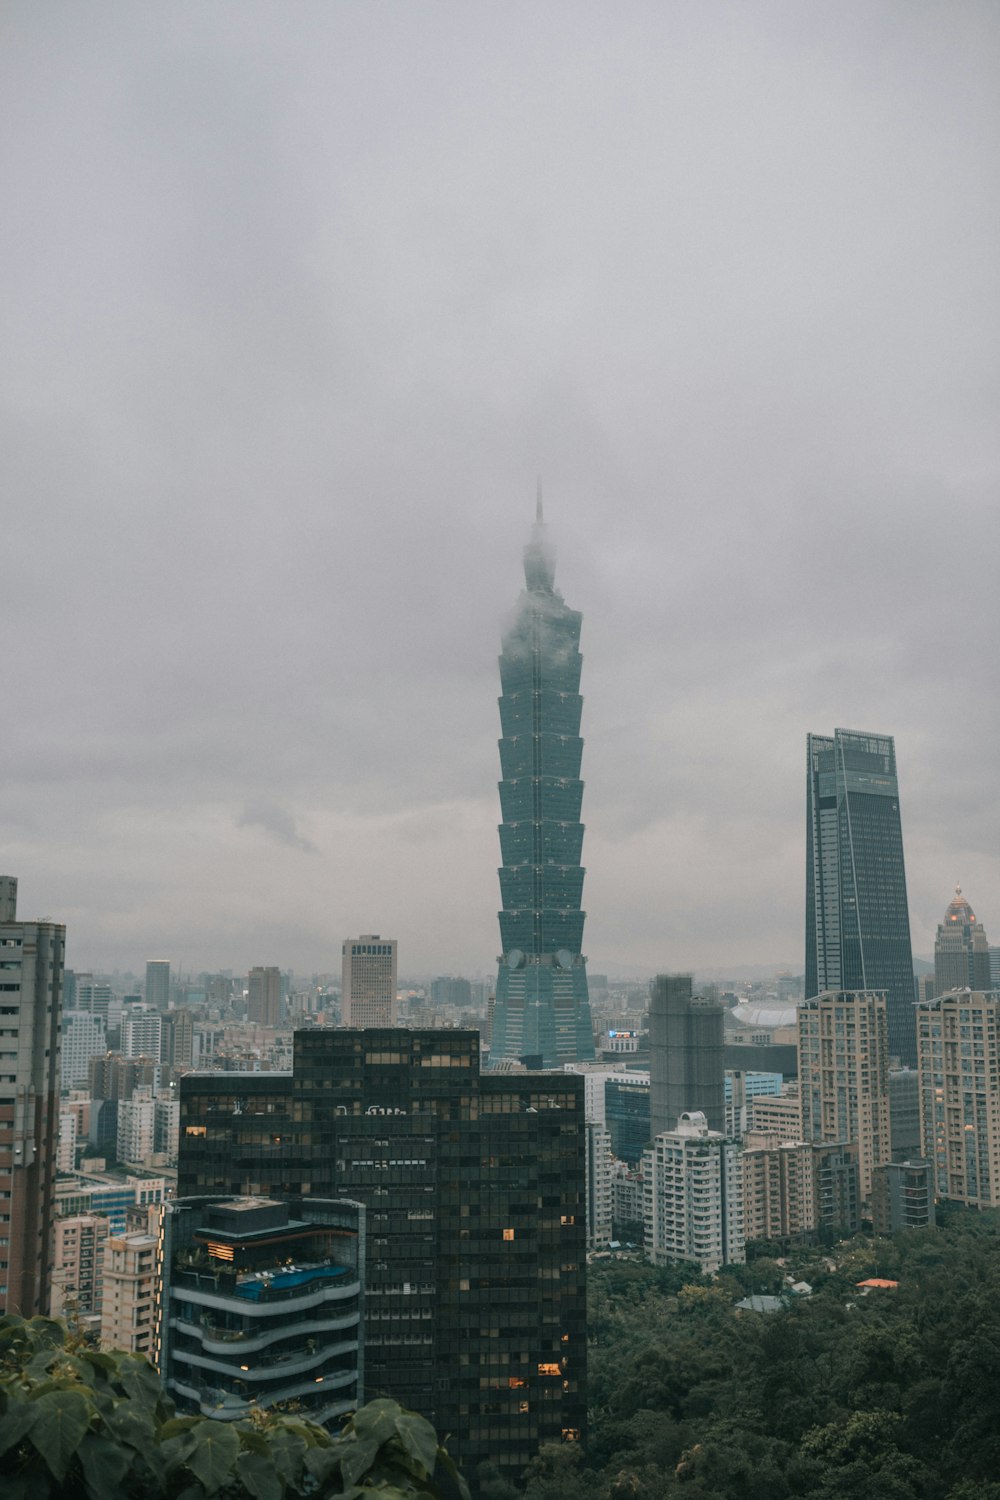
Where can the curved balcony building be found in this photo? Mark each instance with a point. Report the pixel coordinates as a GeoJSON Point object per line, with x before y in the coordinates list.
{"type": "Point", "coordinates": [262, 1304]}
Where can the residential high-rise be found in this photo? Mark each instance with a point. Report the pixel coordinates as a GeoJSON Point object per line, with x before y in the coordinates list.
{"type": "Point", "coordinates": [844, 1075]}
{"type": "Point", "coordinates": [158, 983]}
{"type": "Point", "coordinates": [475, 1190]}
{"type": "Point", "coordinates": [83, 1037]}
{"type": "Point", "coordinates": [857, 919]}
{"type": "Point", "coordinates": [902, 1196]}
{"type": "Point", "coordinates": [542, 1004]}
{"type": "Point", "coordinates": [128, 1300]}
{"type": "Point", "coordinates": [262, 1304]}
{"type": "Point", "coordinates": [142, 1030]}
{"type": "Point", "coordinates": [600, 1165]}
{"type": "Point", "coordinates": [31, 965]}
{"type": "Point", "coordinates": [264, 996]}
{"type": "Point", "coordinates": [958, 1041]}
{"type": "Point", "coordinates": [93, 996]}
{"type": "Point", "coordinates": [693, 1196]}
{"type": "Point", "coordinates": [793, 1188]}
{"type": "Point", "coordinates": [686, 1063]}
{"type": "Point", "coordinates": [177, 1038]}
{"type": "Point", "coordinates": [78, 1268]}
{"type": "Point", "coordinates": [961, 950]}
{"type": "Point", "coordinates": [368, 994]}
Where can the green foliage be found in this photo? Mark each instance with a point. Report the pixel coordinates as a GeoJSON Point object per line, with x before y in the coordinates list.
{"type": "Point", "coordinates": [75, 1423]}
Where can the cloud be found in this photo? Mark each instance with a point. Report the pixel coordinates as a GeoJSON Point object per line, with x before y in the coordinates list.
{"type": "Point", "coordinates": [277, 822]}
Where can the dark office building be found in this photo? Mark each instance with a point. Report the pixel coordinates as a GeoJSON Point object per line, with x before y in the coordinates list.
{"type": "Point", "coordinates": [857, 920]}
{"type": "Point", "coordinates": [626, 1114]}
{"type": "Point", "coordinates": [474, 1187]}
{"type": "Point", "coordinates": [686, 1059]}
{"type": "Point", "coordinates": [542, 1003]}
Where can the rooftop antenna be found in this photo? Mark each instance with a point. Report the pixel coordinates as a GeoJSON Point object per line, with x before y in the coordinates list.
{"type": "Point", "coordinates": [539, 517]}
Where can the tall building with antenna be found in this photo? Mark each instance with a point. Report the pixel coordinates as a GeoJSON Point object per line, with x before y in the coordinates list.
{"type": "Point", "coordinates": [542, 1006]}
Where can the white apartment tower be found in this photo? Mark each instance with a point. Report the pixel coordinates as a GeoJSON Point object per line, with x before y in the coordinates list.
{"type": "Point", "coordinates": [31, 983]}
{"type": "Point", "coordinates": [142, 1030]}
{"type": "Point", "coordinates": [693, 1196]}
{"type": "Point", "coordinates": [600, 1164]}
{"type": "Point", "coordinates": [368, 997]}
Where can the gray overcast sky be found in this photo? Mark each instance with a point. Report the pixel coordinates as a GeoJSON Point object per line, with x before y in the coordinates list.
{"type": "Point", "coordinates": [297, 301]}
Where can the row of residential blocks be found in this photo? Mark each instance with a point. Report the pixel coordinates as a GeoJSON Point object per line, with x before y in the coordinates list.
{"type": "Point", "coordinates": [820, 1155]}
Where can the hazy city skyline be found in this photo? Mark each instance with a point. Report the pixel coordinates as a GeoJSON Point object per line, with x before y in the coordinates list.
{"type": "Point", "coordinates": [296, 306]}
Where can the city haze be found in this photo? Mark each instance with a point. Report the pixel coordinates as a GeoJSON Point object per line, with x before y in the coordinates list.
{"type": "Point", "coordinates": [299, 302]}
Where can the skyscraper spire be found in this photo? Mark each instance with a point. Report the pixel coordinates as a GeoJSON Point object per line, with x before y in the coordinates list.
{"type": "Point", "coordinates": [539, 517]}
{"type": "Point", "coordinates": [542, 1004]}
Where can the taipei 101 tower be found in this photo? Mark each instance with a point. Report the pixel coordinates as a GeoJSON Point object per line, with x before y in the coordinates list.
{"type": "Point", "coordinates": [542, 1008]}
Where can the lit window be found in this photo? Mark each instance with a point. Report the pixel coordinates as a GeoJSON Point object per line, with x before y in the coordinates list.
{"type": "Point", "coordinates": [508, 1234]}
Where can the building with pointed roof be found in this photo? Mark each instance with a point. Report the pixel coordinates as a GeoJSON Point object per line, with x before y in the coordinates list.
{"type": "Point", "coordinates": [961, 950]}
{"type": "Point", "coordinates": [542, 1008]}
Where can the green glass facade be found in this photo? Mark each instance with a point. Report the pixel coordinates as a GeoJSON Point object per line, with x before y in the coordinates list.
{"type": "Point", "coordinates": [857, 918]}
{"type": "Point", "coordinates": [542, 1005]}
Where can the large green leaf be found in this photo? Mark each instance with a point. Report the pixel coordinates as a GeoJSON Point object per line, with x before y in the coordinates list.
{"type": "Point", "coordinates": [18, 1419]}
{"type": "Point", "coordinates": [129, 1426]}
{"type": "Point", "coordinates": [211, 1459]}
{"type": "Point", "coordinates": [258, 1475]}
{"type": "Point", "coordinates": [140, 1380]}
{"type": "Point", "coordinates": [419, 1439]}
{"type": "Point", "coordinates": [322, 1462]}
{"type": "Point", "coordinates": [104, 1465]}
{"type": "Point", "coordinates": [287, 1450]}
{"type": "Point", "coordinates": [357, 1458]}
{"type": "Point", "coordinates": [48, 1330]}
{"type": "Point", "coordinates": [173, 1451]}
{"type": "Point", "coordinates": [62, 1422]}
{"type": "Point", "coordinates": [377, 1420]}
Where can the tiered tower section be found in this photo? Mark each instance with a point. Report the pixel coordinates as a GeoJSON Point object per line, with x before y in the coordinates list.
{"type": "Point", "coordinates": [542, 1005]}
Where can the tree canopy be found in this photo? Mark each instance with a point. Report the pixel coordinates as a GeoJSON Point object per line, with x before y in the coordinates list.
{"type": "Point", "coordinates": [839, 1396]}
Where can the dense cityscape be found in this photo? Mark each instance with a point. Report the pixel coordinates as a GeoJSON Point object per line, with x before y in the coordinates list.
{"type": "Point", "coordinates": [499, 854]}
{"type": "Point", "coordinates": [293, 1195]}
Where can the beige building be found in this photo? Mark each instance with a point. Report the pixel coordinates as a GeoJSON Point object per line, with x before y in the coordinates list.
{"type": "Point", "coordinates": [844, 1075]}
{"type": "Point", "coordinates": [777, 1114]}
{"type": "Point", "coordinates": [264, 996]}
{"type": "Point", "coordinates": [78, 1267]}
{"type": "Point", "coordinates": [958, 1064]}
{"type": "Point", "coordinates": [368, 996]}
{"type": "Point", "coordinates": [31, 980]}
{"type": "Point", "coordinates": [128, 1306]}
{"type": "Point", "coordinates": [794, 1188]}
